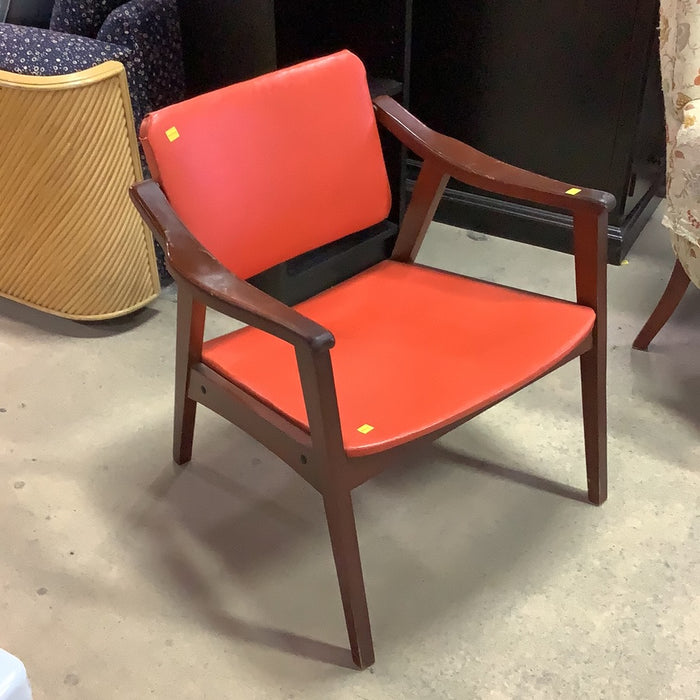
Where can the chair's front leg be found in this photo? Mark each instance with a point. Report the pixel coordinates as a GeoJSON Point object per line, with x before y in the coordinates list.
{"type": "Point", "coordinates": [346, 552]}
{"type": "Point", "coordinates": [593, 396]}
{"type": "Point", "coordinates": [190, 333]}
{"type": "Point", "coordinates": [318, 384]}
{"type": "Point", "coordinates": [590, 252]}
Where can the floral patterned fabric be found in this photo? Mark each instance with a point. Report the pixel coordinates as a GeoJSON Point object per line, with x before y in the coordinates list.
{"type": "Point", "coordinates": [144, 35]}
{"type": "Point", "coordinates": [680, 76]}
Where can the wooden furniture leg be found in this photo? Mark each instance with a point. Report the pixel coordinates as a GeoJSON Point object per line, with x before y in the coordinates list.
{"type": "Point", "coordinates": [594, 424]}
{"type": "Point", "coordinates": [188, 349]}
{"type": "Point", "coordinates": [675, 289]}
{"type": "Point", "coordinates": [346, 552]}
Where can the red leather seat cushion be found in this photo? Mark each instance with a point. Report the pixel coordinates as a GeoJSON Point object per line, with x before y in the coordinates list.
{"type": "Point", "coordinates": [416, 348]}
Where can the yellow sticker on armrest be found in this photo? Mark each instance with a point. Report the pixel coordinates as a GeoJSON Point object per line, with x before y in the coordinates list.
{"type": "Point", "coordinates": [172, 134]}
{"type": "Point", "coordinates": [573, 190]}
{"type": "Point", "coordinates": [364, 429]}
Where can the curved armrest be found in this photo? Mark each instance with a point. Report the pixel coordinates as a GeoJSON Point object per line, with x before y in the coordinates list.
{"type": "Point", "coordinates": [216, 286]}
{"type": "Point", "coordinates": [475, 168]}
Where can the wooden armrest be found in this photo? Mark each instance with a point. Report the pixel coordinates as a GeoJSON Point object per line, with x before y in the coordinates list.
{"type": "Point", "coordinates": [475, 168]}
{"type": "Point", "coordinates": [217, 286]}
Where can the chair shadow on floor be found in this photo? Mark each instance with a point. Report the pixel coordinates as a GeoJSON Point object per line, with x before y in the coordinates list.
{"type": "Point", "coordinates": [284, 519]}
{"type": "Point", "coordinates": [519, 477]}
{"type": "Point", "coordinates": [200, 593]}
{"type": "Point", "coordinates": [56, 325]}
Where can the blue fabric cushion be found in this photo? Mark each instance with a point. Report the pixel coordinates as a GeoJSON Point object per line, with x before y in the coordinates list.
{"type": "Point", "coordinates": [151, 29]}
{"type": "Point", "coordinates": [33, 51]}
{"type": "Point", "coordinates": [84, 17]}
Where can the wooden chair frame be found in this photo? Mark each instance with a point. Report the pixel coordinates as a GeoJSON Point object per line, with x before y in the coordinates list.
{"type": "Point", "coordinates": [319, 456]}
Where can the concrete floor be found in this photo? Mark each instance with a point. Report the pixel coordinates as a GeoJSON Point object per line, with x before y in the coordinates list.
{"type": "Point", "coordinates": [487, 576]}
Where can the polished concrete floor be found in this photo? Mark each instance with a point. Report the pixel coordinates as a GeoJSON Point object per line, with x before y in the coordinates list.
{"type": "Point", "coordinates": [487, 575]}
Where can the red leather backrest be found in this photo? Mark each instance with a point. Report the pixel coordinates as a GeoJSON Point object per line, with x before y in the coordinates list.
{"type": "Point", "coordinates": [270, 168]}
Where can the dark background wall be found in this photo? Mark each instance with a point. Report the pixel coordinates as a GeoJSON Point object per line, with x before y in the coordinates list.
{"type": "Point", "coordinates": [225, 41]}
{"type": "Point", "coordinates": [35, 13]}
{"type": "Point", "coordinates": [570, 90]}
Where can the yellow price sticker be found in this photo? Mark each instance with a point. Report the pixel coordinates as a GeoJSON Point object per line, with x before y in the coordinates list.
{"type": "Point", "coordinates": [364, 429]}
{"type": "Point", "coordinates": [573, 190]}
{"type": "Point", "coordinates": [172, 134]}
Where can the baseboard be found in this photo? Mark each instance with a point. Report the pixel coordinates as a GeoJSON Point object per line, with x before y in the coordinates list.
{"type": "Point", "coordinates": [541, 227]}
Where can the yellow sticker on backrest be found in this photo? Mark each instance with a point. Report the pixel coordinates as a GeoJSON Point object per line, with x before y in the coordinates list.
{"type": "Point", "coordinates": [172, 134]}
{"type": "Point", "coordinates": [573, 190]}
{"type": "Point", "coordinates": [364, 429]}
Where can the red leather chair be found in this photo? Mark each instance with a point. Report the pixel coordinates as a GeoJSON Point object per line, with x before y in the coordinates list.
{"type": "Point", "coordinates": [253, 174]}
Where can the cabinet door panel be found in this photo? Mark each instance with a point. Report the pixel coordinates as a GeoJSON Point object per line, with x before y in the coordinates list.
{"type": "Point", "coordinates": [539, 84]}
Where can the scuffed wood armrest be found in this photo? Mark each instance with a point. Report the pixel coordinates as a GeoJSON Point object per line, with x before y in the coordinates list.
{"type": "Point", "coordinates": [477, 169]}
{"type": "Point", "coordinates": [216, 286]}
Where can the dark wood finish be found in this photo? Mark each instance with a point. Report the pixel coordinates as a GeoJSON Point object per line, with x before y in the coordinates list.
{"type": "Point", "coordinates": [545, 228]}
{"type": "Point", "coordinates": [318, 385]}
{"type": "Point", "coordinates": [569, 90]}
{"type": "Point", "coordinates": [214, 285]}
{"type": "Point", "coordinates": [318, 455]}
{"type": "Point", "coordinates": [191, 316]}
{"type": "Point", "coordinates": [675, 289]}
{"type": "Point", "coordinates": [280, 436]}
{"type": "Point", "coordinates": [590, 258]}
{"type": "Point", "coordinates": [430, 186]}
{"type": "Point", "coordinates": [470, 166]}
{"type": "Point", "coordinates": [346, 553]}
{"type": "Point", "coordinates": [589, 209]}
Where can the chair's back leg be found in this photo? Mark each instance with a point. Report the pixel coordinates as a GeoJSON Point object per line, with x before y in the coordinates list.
{"type": "Point", "coordinates": [190, 333]}
{"type": "Point", "coordinates": [346, 552]}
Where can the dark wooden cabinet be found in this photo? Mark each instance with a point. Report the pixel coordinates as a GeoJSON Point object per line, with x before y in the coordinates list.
{"type": "Point", "coordinates": [378, 32]}
{"type": "Point", "coordinates": [225, 42]}
{"type": "Point", "coordinates": [567, 89]}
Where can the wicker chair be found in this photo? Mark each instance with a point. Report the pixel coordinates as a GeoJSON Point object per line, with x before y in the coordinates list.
{"type": "Point", "coordinates": [70, 241]}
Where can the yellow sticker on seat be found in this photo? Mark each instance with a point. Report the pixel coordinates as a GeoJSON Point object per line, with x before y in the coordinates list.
{"type": "Point", "coordinates": [364, 429]}
{"type": "Point", "coordinates": [573, 190]}
{"type": "Point", "coordinates": [172, 134]}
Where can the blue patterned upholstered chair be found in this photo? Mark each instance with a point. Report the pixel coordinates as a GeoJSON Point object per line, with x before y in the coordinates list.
{"type": "Point", "coordinates": [144, 35]}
